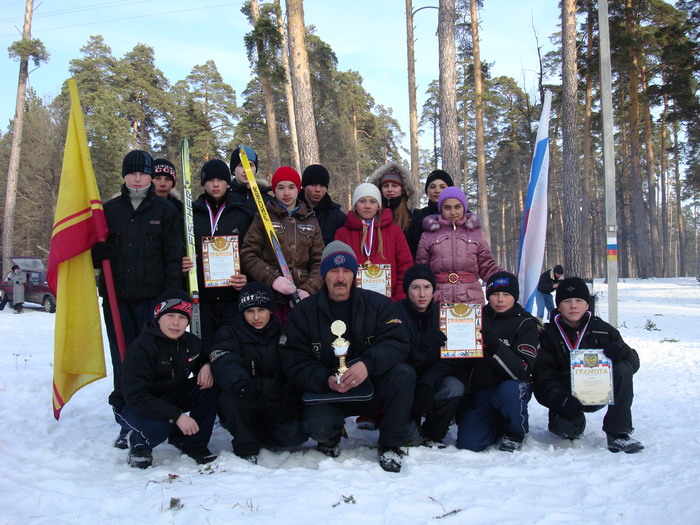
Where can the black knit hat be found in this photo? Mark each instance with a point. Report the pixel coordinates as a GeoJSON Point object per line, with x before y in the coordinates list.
{"type": "Point", "coordinates": [236, 157]}
{"type": "Point", "coordinates": [166, 168]}
{"type": "Point", "coordinates": [438, 174]}
{"type": "Point", "coordinates": [558, 269]}
{"type": "Point", "coordinates": [503, 282]}
{"type": "Point", "coordinates": [572, 287]}
{"type": "Point", "coordinates": [256, 295]}
{"type": "Point", "coordinates": [418, 271]}
{"type": "Point", "coordinates": [173, 301]}
{"type": "Point", "coordinates": [315, 174]}
{"type": "Point", "coordinates": [215, 169]}
{"type": "Point", "coordinates": [137, 161]}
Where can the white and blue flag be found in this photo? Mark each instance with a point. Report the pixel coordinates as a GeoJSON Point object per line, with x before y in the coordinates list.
{"type": "Point", "coordinates": [534, 230]}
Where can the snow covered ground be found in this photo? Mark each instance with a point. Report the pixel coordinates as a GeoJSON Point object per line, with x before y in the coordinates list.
{"type": "Point", "coordinates": [67, 472]}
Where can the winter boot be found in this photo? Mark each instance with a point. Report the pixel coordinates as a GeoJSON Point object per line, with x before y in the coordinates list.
{"type": "Point", "coordinates": [511, 442]}
{"type": "Point", "coordinates": [332, 451]}
{"type": "Point", "coordinates": [251, 458]}
{"type": "Point", "coordinates": [140, 457]}
{"type": "Point", "coordinates": [390, 458]}
{"type": "Point", "coordinates": [623, 443]}
{"type": "Point", "coordinates": [202, 456]}
{"type": "Point", "coordinates": [433, 443]}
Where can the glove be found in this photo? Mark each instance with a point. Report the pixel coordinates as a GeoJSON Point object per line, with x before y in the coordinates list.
{"type": "Point", "coordinates": [283, 286]}
{"type": "Point", "coordinates": [615, 351]}
{"type": "Point", "coordinates": [102, 251]}
{"type": "Point", "coordinates": [491, 341]}
{"type": "Point", "coordinates": [422, 400]}
{"type": "Point", "coordinates": [570, 407]}
{"type": "Point", "coordinates": [433, 340]}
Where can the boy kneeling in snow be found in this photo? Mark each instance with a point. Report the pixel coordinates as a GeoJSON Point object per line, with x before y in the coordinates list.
{"type": "Point", "coordinates": [572, 327]}
{"type": "Point", "coordinates": [258, 406]}
{"type": "Point", "coordinates": [500, 383]}
{"type": "Point", "coordinates": [163, 376]}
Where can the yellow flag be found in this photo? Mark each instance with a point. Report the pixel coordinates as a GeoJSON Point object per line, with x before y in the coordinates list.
{"type": "Point", "coordinates": [78, 225]}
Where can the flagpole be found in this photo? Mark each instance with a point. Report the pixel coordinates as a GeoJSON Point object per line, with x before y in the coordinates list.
{"type": "Point", "coordinates": [114, 307]}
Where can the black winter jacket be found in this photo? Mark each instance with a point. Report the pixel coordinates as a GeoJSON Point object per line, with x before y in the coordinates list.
{"type": "Point", "coordinates": [235, 219]}
{"type": "Point", "coordinates": [553, 369]}
{"type": "Point", "coordinates": [430, 368]}
{"type": "Point", "coordinates": [329, 216]}
{"type": "Point", "coordinates": [379, 338]}
{"type": "Point", "coordinates": [147, 244]}
{"type": "Point", "coordinates": [242, 355]}
{"type": "Point", "coordinates": [546, 282]}
{"type": "Point", "coordinates": [415, 229]}
{"type": "Point", "coordinates": [516, 353]}
{"type": "Point", "coordinates": [154, 367]}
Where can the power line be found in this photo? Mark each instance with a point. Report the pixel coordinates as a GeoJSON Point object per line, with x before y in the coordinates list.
{"type": "Point", "coordinates": [73, 10]}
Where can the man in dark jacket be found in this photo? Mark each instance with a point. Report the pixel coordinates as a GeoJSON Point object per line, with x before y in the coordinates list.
{"type": "Point", "coordinates": [256, 404]}
{"type": "Point", "coordinates": [144, 247]}
{"type": "Point", "coordinates": [438, 392]}
{"type": "Point", "coordinates": [217, 213]}
{"type": "Point", "coordinates": [378, 350]}
{"type": "Point", "coordinates": [155, 390]}
{"type": "Point", "coordinates": [314, 185]}
{"type": "Point", "coordinates": [499, 385]}
{"type": "Point", "coordinates": [573, 327]}
{"type": "Point", "coordinates": [547, 284]}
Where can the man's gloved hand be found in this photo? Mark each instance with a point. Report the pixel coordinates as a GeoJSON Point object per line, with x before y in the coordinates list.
{"type": "Point", "coordinates": [615, 351]}
{"type": "Point", "coordinates": [433, 340]}
{"type": "Point", "coordinates": [102, 251]}
{"type": "Point", "coordinates": [491, 341]}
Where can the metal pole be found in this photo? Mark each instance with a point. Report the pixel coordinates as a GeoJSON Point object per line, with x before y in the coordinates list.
{"type": "Point", "coordinates": [609, 160]}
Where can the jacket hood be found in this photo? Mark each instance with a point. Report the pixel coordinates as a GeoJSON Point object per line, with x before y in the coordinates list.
{"type": "Point", "coordinates": [302, 212]}
{"type": "Point", "coordinates": [470, 221]}
{"type": "Point", "coordinates": [409, 182]}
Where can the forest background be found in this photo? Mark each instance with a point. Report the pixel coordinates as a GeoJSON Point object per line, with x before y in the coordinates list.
{"type": "Point", "coordinates": [130, 103]}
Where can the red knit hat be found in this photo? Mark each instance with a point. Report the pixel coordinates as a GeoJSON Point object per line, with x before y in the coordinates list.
{"type": "Point", "coordinates": [286, 173]}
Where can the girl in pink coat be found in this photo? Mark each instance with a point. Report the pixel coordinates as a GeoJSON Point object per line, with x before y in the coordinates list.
{"type": "Point", "coordinates": [452, 245]}
{"type": "Point", "coordinates": [370, 231]}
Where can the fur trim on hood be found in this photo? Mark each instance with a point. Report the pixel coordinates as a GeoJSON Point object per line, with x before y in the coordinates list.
{"type": "Point", "coordinates": [470, 221]}
{"type": "Point", "coordinates": [409, 182]}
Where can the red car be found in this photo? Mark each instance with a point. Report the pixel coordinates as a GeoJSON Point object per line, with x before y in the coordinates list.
{"type": "Point", "coordinates": [37, 289]}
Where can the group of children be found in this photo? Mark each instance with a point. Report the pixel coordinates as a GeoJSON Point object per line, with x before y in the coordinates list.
{"type": "Point", "coordinates": [235, 370]}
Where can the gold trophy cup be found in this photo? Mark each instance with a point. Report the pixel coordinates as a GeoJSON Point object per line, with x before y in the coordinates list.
{"type": "Point", "coordinates": [340, 346]}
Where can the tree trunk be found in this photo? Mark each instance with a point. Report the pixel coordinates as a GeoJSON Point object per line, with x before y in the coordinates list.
{"type": "Point", "coordinates": [13, 168]}
{"type": "Point", "coordinates": [666, 242]}
{"type": "Point", "coordinates": [680, 248]}
{"type": "Point", "coordinates": [291, 113]}
{"type": "Point", "coordinates": [642, 242]}
{"type": "Point", "coordinates": [301, 85]}
{"type": "Point", "coordinates": [273, 147]}
{"type": "Point", "coordinates": [412, 104]}
{"type": "Point", "coordinates": [625, 252]}
{"type": "Point", "coordinates": [449, 131]}
{"type": "Point", "coordinates": [479, 125]}
{"type": "Point", "coordinates": [588, 248]}
{"type": "Point", "coordinates": [573, 227]}
{"type": "Point", "coordinates": [656, 253]}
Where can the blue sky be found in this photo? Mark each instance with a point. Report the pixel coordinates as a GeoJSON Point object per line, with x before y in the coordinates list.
{"type": "Point", "coordinates": [368, 36]}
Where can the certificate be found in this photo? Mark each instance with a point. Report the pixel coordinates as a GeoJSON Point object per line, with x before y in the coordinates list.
{"type": "Point", "coordinates": [591, 377]}
{"type": "Point", "coordinates": [220, 260]}
{"type": "Point", "coordinates": [375, 277]}
{"type": "Point", "coordinates": [461, 323]}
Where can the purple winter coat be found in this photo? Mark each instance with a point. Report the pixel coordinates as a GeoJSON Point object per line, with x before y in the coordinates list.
{"type": "Point", "coordinates": [460, 247]}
